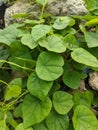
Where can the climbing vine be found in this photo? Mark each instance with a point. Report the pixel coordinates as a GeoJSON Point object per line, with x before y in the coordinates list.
{"type": "Point", "coordinates": [42, 63]}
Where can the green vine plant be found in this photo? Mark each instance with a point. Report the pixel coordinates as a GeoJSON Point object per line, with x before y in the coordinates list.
{"type": "Point", "coordinates": [41, 68]}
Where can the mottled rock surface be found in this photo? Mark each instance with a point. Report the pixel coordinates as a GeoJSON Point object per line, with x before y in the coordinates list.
{"type": "Point", "coordinates": [54, 7]}
{"type": "Point", "coordinates": [93, 80]}
{"type": "Point", "coordinates": [66, 7]}
{"type": "Point", "coordinates": [82, 86]}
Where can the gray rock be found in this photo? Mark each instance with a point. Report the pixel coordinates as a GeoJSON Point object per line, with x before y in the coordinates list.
{"type": "Point", "coordinates": [16, 8]}
{"type": "Point", "coordinates": [66, 7]}
{"type": "Point", "coordinates": [82, 86]}
{"type": "Point", "coordinates": [54, 7]}
{"type": "Point", "coordinates": [93, 80]}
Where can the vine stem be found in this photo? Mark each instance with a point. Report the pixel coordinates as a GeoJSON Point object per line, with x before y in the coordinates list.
{"type": "Point", "coordinates": [4, 83]}
{"type": "Point", "coordinates": [13, 102]}
{"type": "Point", "coordinates": [4, 61]}
{"type": "Point", "coordinates": [42, 12]}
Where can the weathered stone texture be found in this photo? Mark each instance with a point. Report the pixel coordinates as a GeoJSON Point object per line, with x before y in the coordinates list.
{"type": "Point", "coordinates": [93, 80]}
{"type": "Point", "coordinates": [54, 7]}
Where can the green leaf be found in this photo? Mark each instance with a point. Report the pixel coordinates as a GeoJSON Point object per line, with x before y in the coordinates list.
{"type": "Point", "coordinates": [1, 114]}
{"type": "Point", "coordinates": [16, 81]}
{"type": "Point", "coordinates": [4, 54]}
{"type": "Point", "coordinates": [56, 86]}
{"type": "Point", "coordinates": [55, 121]}
{"type": "Point", "coordinates": [95, 12]}
{"type": "Point", "coordinates": [68, 30]}
{"type": "Point", "coordinates": [39, 31]}
{"type": "Point", "coordinates": [14, 89]}
{"type": "Point", "coordinates": [79, 66]}
{"type": "Point", "coordinates": [2, 125]}
{"type": "Point", "coordinates": [33, 22]}
{"type": "Point", "coordinates": [20, 127]}
{"type": "Point", "coordinates": [49, 66]}
{"type": "Point", "coordinates": [62, 102]}
{"type": "Point", "coordinates": [12, 92]}
{"type": "Point", "coordinates": [82, 27]}
{"type": "Point", "coordinates": [70, 42]}
{"type": "Point", "coordinates": [83, 98]}
{"type": "Point", "coordinates": [37, 87]}
{"type": "Point", "coordinates": [43, 2]}
{"type": "Point", "coordinates": [17, 25]}
{"type": "Point", "coordinates": [92, 22]}
{"type": "Point", "coordinates": [62, 22]}
{"type": "Point", "coordinates": [18, 111]}
{"type": "Point", "coordinates": [22, 64]}
{"type": "Point", "coordinates": [91, 39]}
{"type": "Point", "coordinates": [71, 78]}
{"type": "Point", "coordinates": [9, 117]}
{"type": "Point", "coordinates": [91, 4]}
{"type": "Point", "coordinates": [19, 50]}
{"type": "Point", "coordinates": [21, 56]}
{"type": "Point", "coordinates": [40, 126]}
{"type": "Point", "coordinates": [94, 51]}
{"type": "Point", "coordinates": [53, 43]}
{"type": "Point", "coordinates": [20, 15]}
{"type": "Point", "coordinates": [84, 119]}
{"type": "Point", "coordinates": [29, 41]}
{"type": "Point", "coordinates": [7, 36]}
{"type": "Point", "coordinates": [22, 32]}
{"type": "Point", "coordinates": [34, 110]}
{"type": "Point", "coordinates": [82, 56]}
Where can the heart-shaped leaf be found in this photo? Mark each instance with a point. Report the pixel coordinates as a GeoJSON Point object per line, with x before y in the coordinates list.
{"type": "Point", "coordinates": [37, 87]}
{"type": "Point", "coordinates": [49, 66]}
{"type": "Point", "coordinates": [83, 98]}
{"type": "Point", "coordinates": [7, 36]}
{"type": "Point", "coordinates": [53, 43]}
{"type": "Point", "coordinates": [14, 89]}
{"type": "Point", "coordinates": [40, 126]}
{"type": "Point", "coordinates": [84, 119]}
{"type": "Point", "coordinates": [55, 121]}
{"type": "Point", "coordinates": [91, 39]}
{"type": "Point", "coordinates": [71, 78]}
{"type": "Point", "coordinates": [39, 31]}
{"type": "Point", "coordinates": [34, 110]}
{"type": "Point", "coordinates": [62, 102]}
{"type": "Point", "coordinates": [29, 41]}
{"type": "Point", "coordinates": [63, 22]}
{"type": "Point", "coordinates": [70, 42]}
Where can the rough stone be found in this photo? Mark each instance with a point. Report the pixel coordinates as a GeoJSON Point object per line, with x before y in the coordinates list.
{"type": "Point", "coordinates": [93, 80]}
{"type": "Point", "coordinates": [82, 86]}
{"type": "Point", "coordinates": [54, 7]}
{"type": "Point", "coordinates": [16, 8]}
{"type": "Point", "coordinates": [66, 7]}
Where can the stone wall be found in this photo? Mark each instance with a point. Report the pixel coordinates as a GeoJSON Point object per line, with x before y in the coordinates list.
{"type": "Point", "coordinates": [54, 7]}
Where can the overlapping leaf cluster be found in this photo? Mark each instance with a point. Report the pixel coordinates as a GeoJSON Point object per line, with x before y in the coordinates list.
{"type": "Point", "coordinates": [48, 61]}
